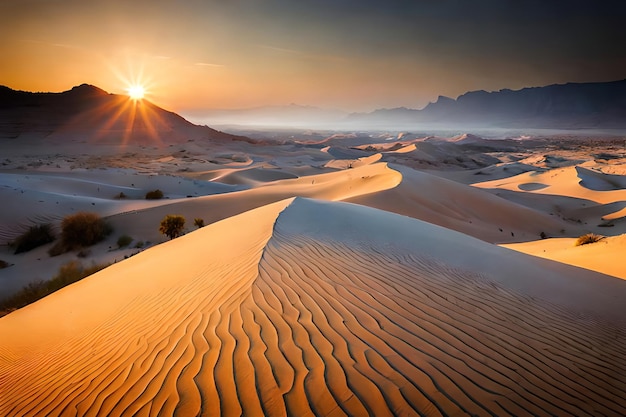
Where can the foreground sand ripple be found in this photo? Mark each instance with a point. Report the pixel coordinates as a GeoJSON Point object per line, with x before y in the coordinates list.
{"type": "Point", "coordinates": [400, 334]}
{"type": "Point", "coordinates": [340, 323]}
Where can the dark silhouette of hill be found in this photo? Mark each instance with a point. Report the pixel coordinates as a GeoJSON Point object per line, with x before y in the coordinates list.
{"type": "Point", "coordinates": [91, 113]}
{"type": "Point", "coordinates": [559, 106]}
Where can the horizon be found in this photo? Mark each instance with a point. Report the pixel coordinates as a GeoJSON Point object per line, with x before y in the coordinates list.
{"type": "Point", "coordinates": [307, 105]}
{"type": "Point", "coordinates": [354, 57]}
{"type": "Point", "coordinates": [269, 207]}
{"type": "Point", "coordinates": [298, 116]}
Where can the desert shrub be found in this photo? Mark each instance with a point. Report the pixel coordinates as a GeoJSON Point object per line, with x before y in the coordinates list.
{"type": "Point", "coordinates": [154, 195]}
{"type": "Point", "coordinates": [172, 225]}
{"type": "Point", "coordinates": [588, 238]}
{"type": "Point", "coordinates": [543, 235]}
{"type": "Point", "coordinates": [124, 241]}
{"type": "Point", "coordinates": [120, 196]}
{"type": "Point", "coordinates": [3, 264]}
{"type": "Point", "coordinates": [68, 273]}
{"type": "Point", "coordinates": [139, 244]}
{"type": "Point", "coordinates": [80, 230]}
{"type": "Point", "coordinates": [34, 237]}
{"type": "Point", "coordinates": [198, 223]}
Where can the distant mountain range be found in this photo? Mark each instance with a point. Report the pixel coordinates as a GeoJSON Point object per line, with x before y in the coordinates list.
{"type": "Point", "coordinates": [560, 106]}
{"type": "Point", "coordinates": [90, 113]}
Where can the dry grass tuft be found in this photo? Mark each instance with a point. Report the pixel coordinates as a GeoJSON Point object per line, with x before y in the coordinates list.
{"type": "Point", "coordinates": [588, 238]}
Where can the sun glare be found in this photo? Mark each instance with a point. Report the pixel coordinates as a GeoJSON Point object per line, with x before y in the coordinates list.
{"type": "Point", "coordinates": [136, 92]}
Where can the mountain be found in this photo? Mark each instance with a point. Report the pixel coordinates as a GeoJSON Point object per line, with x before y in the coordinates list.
{"type": "Point", "coordinates": [559, 106]}
{"type": "Point", "coordinates": [88, 112]}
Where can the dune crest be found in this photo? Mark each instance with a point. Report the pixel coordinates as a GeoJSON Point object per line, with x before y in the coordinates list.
{"type": "Point", "coordinates": [313, 308]}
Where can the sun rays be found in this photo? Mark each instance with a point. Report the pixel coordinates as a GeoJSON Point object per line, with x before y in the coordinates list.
{"type": "Point", "coordinates": [129, 116]}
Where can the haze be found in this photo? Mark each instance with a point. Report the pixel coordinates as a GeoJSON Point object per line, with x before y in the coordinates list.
{"type": "Point", "coordinates": [355, 56]}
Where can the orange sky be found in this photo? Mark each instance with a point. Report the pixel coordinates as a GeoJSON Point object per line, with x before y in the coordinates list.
{"type": "Point", "coordinates": [351, 55]}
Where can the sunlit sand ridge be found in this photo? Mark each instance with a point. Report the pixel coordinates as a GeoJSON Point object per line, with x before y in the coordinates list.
{"type": "Point", "coordinates": [589, 196]}
{"type": "Point", "coordinates": [304, 307]}
{"type": "Point", "coordinates": [31, 201]}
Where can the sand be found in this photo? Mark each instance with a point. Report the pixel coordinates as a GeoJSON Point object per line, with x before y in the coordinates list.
{"type": "Point", "coordinates": [310, 308]}
{"type": "Point", "coordinates": [604, 256]}
{"type": "Point", "coordinates": [329, 280]}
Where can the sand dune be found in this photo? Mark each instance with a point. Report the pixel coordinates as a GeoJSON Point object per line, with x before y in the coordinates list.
{"type": "Point", "coordinates": [312, 308]}
{"type": "Point", "coordinates": [400, 190]}
{"type": "Point", "coordinates": [585, 194]}
{"type": "Point", "coordinates": [465, 209]}
{"type": "Point", "coordinates": [603, 256]}
{"type": "Point", "coordinates": [338, 185]}
{"type": "Point", "coordinates": [592, 198]}
{"type": "Point", "coordinates": [140, 218]}
{"type": "Point", "coordinates": [572, 181]}
{"type": "Point", "coordinates": [47, 197]}
{"type": "Point", "coordinates": [599, 181]}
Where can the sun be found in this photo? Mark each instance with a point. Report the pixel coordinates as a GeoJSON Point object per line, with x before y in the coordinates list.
{"type": "Point", "coordinates": [136, 92]}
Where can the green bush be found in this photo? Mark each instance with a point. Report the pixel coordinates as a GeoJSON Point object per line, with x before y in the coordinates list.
{"type": "Point", "coordinates": [154, 195]}
{"type": "Point", "coordinates": [124, 241]}
{"type": "Point", "coordinates": [172, 225]}
{"type": "Point", "coordinates": [198, 223]}
{"type": "Point", "coordinates": [588, 238]}
{"type": "Point", "coordinates": [34, 237]}
{"type": "Point", "coordinates": [68, 273]}
{"type": "Point", "coordinates": [80, 230]}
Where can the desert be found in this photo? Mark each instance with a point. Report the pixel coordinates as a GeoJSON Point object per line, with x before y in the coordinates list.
{"type": "Point", "coordinates": [360, 273]}
{"type": "Point", "coordinates": [312, 208]}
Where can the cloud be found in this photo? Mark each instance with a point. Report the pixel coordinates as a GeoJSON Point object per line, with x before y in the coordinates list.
{"type": "Point", "coordinates": [57, 45]}
{"type": "Point", "coordinates": [207, 64]}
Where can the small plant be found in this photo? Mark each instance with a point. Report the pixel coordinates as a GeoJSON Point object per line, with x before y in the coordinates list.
{"type": "Point", "coordinates": [3, 264]}
{"type": "Point", "coordinates": [543, 235]}
{"type": "Point", "coordinates": [124, 241]}
{"type": "Point", "coordinates": [198, 223]}
{"type": "Point", "coordinates": [121, 196]}
{"type": "Point", "coordinates": [139, 244]}
{"type": "Point", "coordinates": [172, 225]}
{"type": "Point", "coordinates": [80, 230]}
{"type": "Point", "coordinates": [588, 238]}
{"type": "Point", "coordinates": [154, 195]}
{"type": "Point", "coordinates": [34, 237]}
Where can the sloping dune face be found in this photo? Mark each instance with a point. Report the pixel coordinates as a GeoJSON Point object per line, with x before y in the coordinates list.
{"type": "Point", "coordinates": [323, 309]}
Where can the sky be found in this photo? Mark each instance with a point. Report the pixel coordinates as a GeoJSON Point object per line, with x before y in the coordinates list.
{"type": "Point", "coordinates": [345, 54]}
